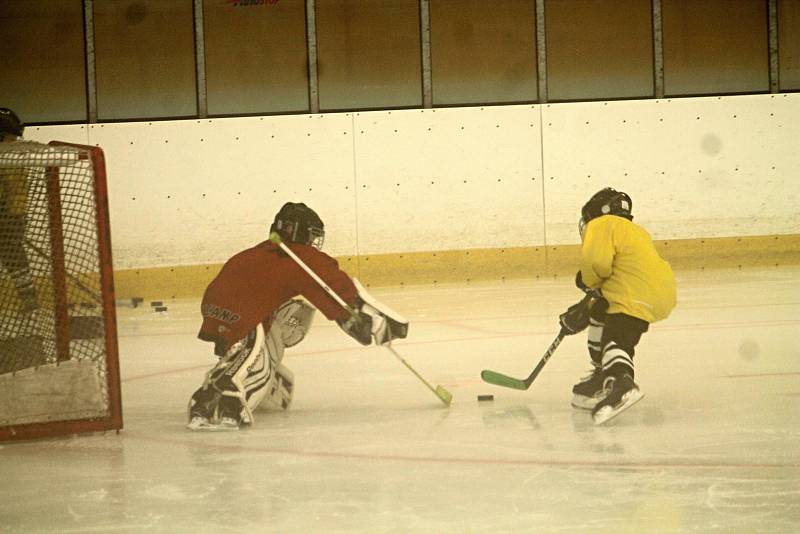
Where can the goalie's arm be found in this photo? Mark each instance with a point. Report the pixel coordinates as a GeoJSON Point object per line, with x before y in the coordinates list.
{"type": "Point", "coordinates": [365, 318]}
{"type": "Point", "coordinates": [317, 277]}
{"type": "Point", "coordinates": [345, 310]}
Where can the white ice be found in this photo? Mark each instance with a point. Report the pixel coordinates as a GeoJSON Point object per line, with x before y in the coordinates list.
{"type": "Point", "coordinates": [713, 447]}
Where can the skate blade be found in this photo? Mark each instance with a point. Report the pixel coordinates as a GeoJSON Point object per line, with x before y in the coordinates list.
{"type": "Point", "coordinates": [583, 402]}
{"type": "Point", "coordinates": [212, 428]}
{"type": "Point", "coordinates": [205, 426]}
{"type": "Point", "coordinates": [605, 415]}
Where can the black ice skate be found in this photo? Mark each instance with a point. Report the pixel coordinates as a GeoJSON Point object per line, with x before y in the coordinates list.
{"type": "Point", "coordinates": [621, 394]}
{"type": "Point", "coordinates": [209, 411]}
{"type": "Point", "coordinates": [589, 391]}
{"type": "Point", "coordinates": [200, 418]}
{"type": "Point", "coordinates": [200, 422]}
{"type": "Point", "coordinates": [230, 413]}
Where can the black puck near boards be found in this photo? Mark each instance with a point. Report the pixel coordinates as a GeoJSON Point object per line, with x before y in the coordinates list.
{"type": "Point", "coordinates": [485, 398]}
{"type": "Point", "coordinates": [160, 308]}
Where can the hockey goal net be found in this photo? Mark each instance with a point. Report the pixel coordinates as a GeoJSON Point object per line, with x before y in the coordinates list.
{"type": "Point", "coordinates": [59, 371]}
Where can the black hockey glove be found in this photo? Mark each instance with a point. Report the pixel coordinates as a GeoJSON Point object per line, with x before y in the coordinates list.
{"type": "Point", "coordinates": [576, 318]}
{"type": "Point", "coordinates": [596, 293]}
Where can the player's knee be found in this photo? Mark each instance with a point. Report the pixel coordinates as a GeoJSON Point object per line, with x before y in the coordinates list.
{"type": "Point", "coordinates": [293, 320]}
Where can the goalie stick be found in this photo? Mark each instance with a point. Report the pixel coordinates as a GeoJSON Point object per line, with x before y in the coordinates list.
{"type": "Point", "coordinates": [445, 396]}
{"type": "Point", "coordinates": [499, 379]}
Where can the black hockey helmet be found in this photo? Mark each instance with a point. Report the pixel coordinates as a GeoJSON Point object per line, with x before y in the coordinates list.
{"type": "Point", "coordinates": [607, 201]}
{"type": "Point", "coordinates": [298, 223]}
{"type": "Point", "coordinates": [10, 123]}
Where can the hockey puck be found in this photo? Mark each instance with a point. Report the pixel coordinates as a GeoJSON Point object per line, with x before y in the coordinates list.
{"type": "Point", "coordinates": [156, 303]}
{"type": "Point", "coordinates": [160, 308]}
{"type": "Point", "coordinates": [485, 397]}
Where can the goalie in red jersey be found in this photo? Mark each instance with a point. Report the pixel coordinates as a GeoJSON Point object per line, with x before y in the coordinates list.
{"type": "Point", "coordinates": [251, 315]}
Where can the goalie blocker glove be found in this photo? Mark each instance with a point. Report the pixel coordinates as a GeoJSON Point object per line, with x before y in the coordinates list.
{"type": "Point", "coordinates": [373, 320]}
{"type": "Point", "coordinates": [358, 326]}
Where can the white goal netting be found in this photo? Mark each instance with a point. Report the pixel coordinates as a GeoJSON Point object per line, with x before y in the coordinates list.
{"type": "Point", "coordinates": [58, 360]}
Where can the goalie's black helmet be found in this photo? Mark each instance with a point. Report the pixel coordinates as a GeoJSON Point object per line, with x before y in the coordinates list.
{"type": "Point", "coordinates": [10, 123]}
{"type": "Point", "coordinates": [298, 223]}
{"type": "Point", "coordinates": [607, 201]}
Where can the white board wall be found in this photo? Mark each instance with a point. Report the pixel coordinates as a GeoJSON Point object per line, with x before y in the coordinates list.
{"type": "Point", "coordinates": [696, 167]}
{"type": "Point", "coordinates": [448, 179]}
{"type": "Point", "coordinates": [197, 191]}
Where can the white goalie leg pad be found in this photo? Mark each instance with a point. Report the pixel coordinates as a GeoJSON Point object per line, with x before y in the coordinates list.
{"type": "Point", "coordinates": [279, 390]}
{"type": "Point", "coordinates": [243, 373]}
{"type": "Point", "coordinates": [293, 319]}
{"type": "Point", "coordinates": [387, 324]}
{"type": "Point", "coordinates": [251, 371]}
{"type": "Point", "coordinates": [280, 387]}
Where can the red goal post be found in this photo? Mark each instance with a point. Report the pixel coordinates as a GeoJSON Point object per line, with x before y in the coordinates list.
{"type": "Point", "coordinates": [59, 363]}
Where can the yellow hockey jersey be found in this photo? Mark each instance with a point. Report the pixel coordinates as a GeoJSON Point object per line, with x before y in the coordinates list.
{"type": "Point", "coordinates": [13, 192]}
{"type": "Point", "coordinates": [619, 257]}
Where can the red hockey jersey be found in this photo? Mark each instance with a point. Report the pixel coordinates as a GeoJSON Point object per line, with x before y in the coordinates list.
{"type": "Point", "coordinates": [255, 282]}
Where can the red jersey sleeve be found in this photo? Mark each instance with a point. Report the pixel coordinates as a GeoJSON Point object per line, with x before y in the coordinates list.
{"type": "Point", "coordinates": [328, 269]}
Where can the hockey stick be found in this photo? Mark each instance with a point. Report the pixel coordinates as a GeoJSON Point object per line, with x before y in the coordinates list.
{"type": "Point", "coordinates": [445, 396]}
{"type": "Point", "coordinates": [75, 280]}
{"type": "Point", "coordinates": [439, 391]}
{"type": "Point", "coordinates": [499, 379]}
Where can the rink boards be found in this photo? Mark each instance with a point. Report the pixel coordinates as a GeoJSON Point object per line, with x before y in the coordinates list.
{"type": "Point", "coordinates": [452, 194]}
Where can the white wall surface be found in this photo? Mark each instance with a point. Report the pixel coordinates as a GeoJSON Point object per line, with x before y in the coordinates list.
{"type": "Point", "coordinates": [697, 167]}
{"type": "Point", "coordinates": [197, 191]}
{"type": "Point", "coordinates": [448, 179]}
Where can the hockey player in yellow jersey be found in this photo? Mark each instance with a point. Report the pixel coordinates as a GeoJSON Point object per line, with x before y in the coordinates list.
{"type": "Point", "coordinates": [632, 287]}
{"type": "Point", "coordinates": [13, 207]}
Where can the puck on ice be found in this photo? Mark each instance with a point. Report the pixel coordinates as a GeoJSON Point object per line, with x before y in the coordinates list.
{"type": "Point", "coordinates": [160, 308]}
{"type": "Point", "coordinates": [485, 397]}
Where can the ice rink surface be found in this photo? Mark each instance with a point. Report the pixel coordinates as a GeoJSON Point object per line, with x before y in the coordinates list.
{"type": "Point", "coordinates": [713, 447]}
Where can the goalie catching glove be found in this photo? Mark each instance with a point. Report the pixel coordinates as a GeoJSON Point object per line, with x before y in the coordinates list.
{"type": "Point", "coordinates": [373, 320]}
